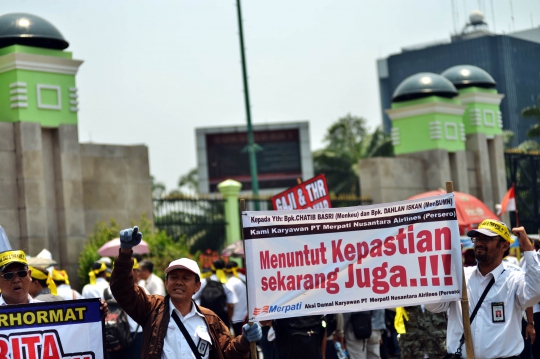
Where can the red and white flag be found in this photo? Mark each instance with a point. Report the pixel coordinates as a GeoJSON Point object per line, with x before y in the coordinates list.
{"type": "Point", "coordinates": [508, 202]}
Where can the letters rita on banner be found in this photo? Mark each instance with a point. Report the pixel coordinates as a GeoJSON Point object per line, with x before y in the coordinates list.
{"type": "Point", "coordinates": [64, 329]}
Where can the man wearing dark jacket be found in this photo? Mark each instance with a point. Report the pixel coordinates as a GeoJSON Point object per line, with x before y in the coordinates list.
{"type": "Point", "coordinates": [162, 317]}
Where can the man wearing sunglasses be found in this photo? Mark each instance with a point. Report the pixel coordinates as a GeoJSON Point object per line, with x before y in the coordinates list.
{"type": "Point", "coordinates": [15, 281]}
{"type": "Point", "coordinates": [496, 328]}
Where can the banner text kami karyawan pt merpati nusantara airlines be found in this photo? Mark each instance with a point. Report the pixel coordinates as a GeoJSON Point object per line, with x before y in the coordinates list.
{"type": "Point", "coordinates": [351, 259]}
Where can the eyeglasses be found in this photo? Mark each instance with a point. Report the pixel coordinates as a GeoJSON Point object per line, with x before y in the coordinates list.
{"type": "Point", "coordinates": [20, 273]}
{"type": "Point", "coordinates": [485, 239]}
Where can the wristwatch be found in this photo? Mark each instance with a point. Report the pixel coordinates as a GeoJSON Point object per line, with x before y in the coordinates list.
{"type": "Point", "coordinates": [531, 323]}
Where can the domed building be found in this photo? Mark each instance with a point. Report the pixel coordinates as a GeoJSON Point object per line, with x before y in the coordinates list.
{"type": "Point", "coordinates": [443, 127]}
{"type": "Point", "coordinates": [30, 30]}
{"type": "Point", "coordinates": [30, 45]}
{"type": "Point", "coordinates": [53, 188]}
{"type": "Point", "coordinates": [422, 85]}
{"type": "Point", "coordinates": [426, 116]}
{"type": "Point", "coordinates": [463, 76]}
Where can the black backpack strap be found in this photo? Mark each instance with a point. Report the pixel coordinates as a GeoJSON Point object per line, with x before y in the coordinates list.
{"type": "Point", "coordinates": [186, 335]}
{"type": "Point", "coordinates": [107, 294]}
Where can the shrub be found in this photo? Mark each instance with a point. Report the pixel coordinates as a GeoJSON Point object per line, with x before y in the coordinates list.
{"type": "Point", "coordinates": [163, 249]}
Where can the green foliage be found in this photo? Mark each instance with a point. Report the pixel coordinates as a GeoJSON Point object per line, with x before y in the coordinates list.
{"type": "Point", "coordinates": [103, 233]}
{"type": "Point", "coordinates": [508, 138]}
{"type": "Point", "coordinates": [534, 113]}
{"type": "Point", "coordinates": [348, 140]}
{"type": "Point", "coordinates": [163, 249]}
{"type": "Point", "coordinates": [158, 188]}
{"type": "Point", "coordinates": [529, 146]}
{"type": "Point", "coordinates": [190, 181]}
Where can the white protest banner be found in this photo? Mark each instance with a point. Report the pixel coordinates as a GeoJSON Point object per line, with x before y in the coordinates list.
{"type": "Point", "coordinates": [52, 330]}
{"type": "Point", "coordinates": [351, 259]}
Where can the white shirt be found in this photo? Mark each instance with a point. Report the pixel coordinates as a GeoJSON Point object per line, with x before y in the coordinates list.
{"type": "Point", "coordinates": [175, 345]}
{"type": "Point", "coordinates": [240, 308]}
{"type": "Point", "coordinates": [518, 290]}
{"type": "Point", "coordinates": [536, 307]}
{"type": "Point", "coordinates": [231, 295]}
{"type": "Point", "coordinates": [153, 285]}
{"type": "Point", "coordinates": [95, 290]}
{"type": "Point", "coordinates": [30, 300]}
{"type": "Point", "coordinates": [65, 291]}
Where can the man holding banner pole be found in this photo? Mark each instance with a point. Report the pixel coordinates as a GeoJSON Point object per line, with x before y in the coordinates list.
{"type": "Point", "coordinates": [174, 326]}
{"type": "Point", "coordinates": [500, 295]}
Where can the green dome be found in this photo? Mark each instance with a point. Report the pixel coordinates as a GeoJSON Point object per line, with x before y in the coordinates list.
{"type": "Point", "coordinates": [467, 75]}
{"type": "Point", "coordinates": [423, 84]}
{"type": "Point", "coordinates": [29, 30]}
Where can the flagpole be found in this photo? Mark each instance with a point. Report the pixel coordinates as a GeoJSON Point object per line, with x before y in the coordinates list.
{"type": "Point", "coordinates": [515, 203]}
{"type": "Point", "coordinates": [467, 333]}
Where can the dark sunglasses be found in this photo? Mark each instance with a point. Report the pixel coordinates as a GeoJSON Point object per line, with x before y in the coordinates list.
{"type": "Point", "coordinates": [486, 239]}
{"type": "Point", "coordinates": [20, 273]}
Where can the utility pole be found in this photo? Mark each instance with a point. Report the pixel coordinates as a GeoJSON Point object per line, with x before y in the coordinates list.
{"type": "Point", "coordinates": [251, 146]}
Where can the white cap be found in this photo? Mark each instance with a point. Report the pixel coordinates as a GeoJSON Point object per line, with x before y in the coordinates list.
{"type": "Point", "coordinates": [184, 263]}
{"type": "Point", "coordinates": [105, 260]}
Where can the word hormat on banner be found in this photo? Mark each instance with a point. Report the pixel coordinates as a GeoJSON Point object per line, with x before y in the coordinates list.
{"type": "Point", "coordinates": [52, 330]}
{"type": "Point", "coordinates": [352, 259]}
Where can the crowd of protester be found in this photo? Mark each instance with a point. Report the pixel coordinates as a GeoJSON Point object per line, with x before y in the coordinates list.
{"type": "Point", "coordinates": [212, 307]}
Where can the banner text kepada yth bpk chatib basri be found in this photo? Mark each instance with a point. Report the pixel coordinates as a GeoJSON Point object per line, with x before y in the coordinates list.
{"type": "Point", "coordinates": [52, 330]}
{"type": "Point", "coordinates": [352, 259]}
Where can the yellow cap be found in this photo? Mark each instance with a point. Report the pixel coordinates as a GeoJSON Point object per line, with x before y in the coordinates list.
{"type": "Point", "coordinates": [92, 273]}
{"type": "Point", "coordinates": [491, 228]}
{"type": "Point", "coordinates": [42, 274]}
{"type": "Point", "coordinates": [60, 276]}
{"type": "Point", "coordinates": [9, 257]}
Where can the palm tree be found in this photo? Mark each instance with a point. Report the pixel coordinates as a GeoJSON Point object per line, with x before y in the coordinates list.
{"type": "Point", "coordinates": [533, 112]}
{"type": "Point", "coordinates": [348, 142]}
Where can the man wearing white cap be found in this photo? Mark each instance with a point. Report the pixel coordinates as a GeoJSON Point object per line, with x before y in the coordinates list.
{"type": "Point", "coordinates": [166, 319]}
{"type": "Point", "coordinates": [496, 327]}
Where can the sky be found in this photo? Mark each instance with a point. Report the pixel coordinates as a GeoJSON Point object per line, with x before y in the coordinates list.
{"type": "Point", "coordinates": [154, 71]}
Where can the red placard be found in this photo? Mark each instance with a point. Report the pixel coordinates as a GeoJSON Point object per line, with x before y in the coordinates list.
{"type": "Point", "coordinates": [312, 193]}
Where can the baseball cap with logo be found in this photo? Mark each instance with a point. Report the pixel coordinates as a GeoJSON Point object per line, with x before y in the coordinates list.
{"type": "Point", "coordinates": [492, 228]}
{"type": "Point", "coordinates": [184, 263]}
{"type": "Point", "coordinates": [10, 257]}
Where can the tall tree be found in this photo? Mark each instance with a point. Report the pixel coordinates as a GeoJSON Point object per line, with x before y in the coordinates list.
{"type": "Point", "coordinates": [190, 181]}
{"type": "Point", "coordinates": [348, 140]}
{"type": "Point", "coordinates": [533, 112]}
{"type": "Point", "coordinates": [158, 189]}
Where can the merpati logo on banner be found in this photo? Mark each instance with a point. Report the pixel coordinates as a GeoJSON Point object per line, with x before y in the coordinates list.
{"type": "Point", "coordinates": [277, 308]}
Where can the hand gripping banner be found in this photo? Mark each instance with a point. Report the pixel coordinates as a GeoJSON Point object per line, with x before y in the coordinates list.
{"type": "Point", "coordinates": [352, 259]}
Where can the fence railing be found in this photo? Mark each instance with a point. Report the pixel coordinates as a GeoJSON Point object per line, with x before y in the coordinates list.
{"type": "Point", "coordinates": [200, 221]}
{"type": "Point", "coordinates": [337, 202]}
{"type": "Point", "coordinates": [523, 170]}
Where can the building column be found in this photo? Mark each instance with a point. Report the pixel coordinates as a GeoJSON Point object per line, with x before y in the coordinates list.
{"type": "Point", "coordinates": [460, 174]}
{"type": "Point", "coordinates": [9, 203]}
{"type": "Point", "coordinates": [230, 189]}
{"type": "Point", "coordinates": [69, 200]}
{"type": "Point", "coordinates": [32, 209]}
{"type": "Point", "coordinates": [498, 171]}
{"type": "Point", "coordinates": [477, 144]}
